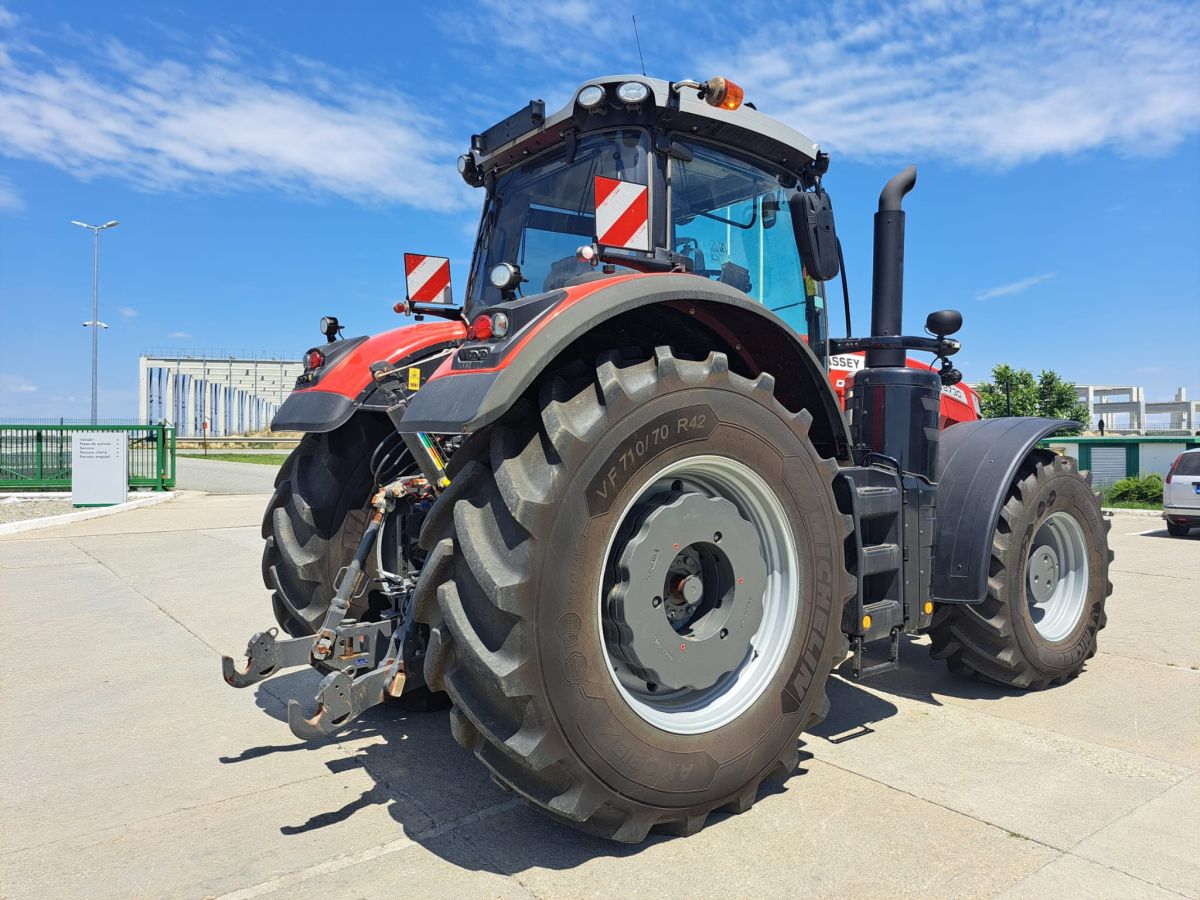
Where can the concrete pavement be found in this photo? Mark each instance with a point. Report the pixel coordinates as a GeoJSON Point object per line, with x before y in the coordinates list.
{"type": "Point", "coordinates": [195, 473]}
{"type": "Point", "coordinates": [130, 769]}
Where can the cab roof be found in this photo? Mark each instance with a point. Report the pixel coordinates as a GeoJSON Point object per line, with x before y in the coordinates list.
{"type": "Point", "coordinates": [670, 107]}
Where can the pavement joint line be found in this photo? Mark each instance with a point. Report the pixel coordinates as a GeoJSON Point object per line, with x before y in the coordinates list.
{"type": "Point", "coordinates": [163, 815]}
{"type": "Point", "coordinates": [1174, 667]}
{"type": "Point", "coordinates": [1117, 869]}
{"type": "Point", "coordinates": [356, 857]}
{"type": "Point", "coordinates": [1092, 834]}
{"type": "Point", "coordinates": [131, 587]}
{"type": "Point", "coordinates": [971, 711]}
{"type": "Point", "coordinates": [949, 809]}
{"type": "Point", "coordinates": [486, 853]}
{"type": "Point", "coordinates": [1152, 574]}
{"type": "Point", "coordinates": [42, 565]}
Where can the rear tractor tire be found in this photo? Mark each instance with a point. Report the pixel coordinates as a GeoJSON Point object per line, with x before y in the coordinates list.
{"type": "Point", "coordinates": [315, 519]}
{"type": "Point", "coordinates": [312, 527]}
{"type": "Point", "coordinates": [634, 589]}
{"type": "Point", "coordinates": [1048, 582]}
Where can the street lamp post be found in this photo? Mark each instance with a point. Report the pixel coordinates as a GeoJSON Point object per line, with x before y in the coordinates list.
{"type": "Point", "coordinates": [95, 323]}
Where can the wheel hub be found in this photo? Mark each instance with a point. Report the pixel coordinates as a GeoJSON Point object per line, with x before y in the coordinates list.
{"type": "Point", "coordinates": [688, 595]}
{"type": "Point", "coordinates": [1043, 573]}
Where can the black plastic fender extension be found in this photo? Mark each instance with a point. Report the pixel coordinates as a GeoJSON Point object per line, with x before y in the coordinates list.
{"type": "Point", "coordinates": [312, 410]}
{"type": "Point", "coordinates": [977, 463]}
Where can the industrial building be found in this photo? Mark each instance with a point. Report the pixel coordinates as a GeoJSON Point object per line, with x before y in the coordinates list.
{"type": "Point", "coordinates": [213, 392]}
{"type": "Point", "coordinates": [1125, 410]}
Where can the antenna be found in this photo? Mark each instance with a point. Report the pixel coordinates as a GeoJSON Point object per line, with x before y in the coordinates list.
{"type": "Point", "coordinates": [641, 59]}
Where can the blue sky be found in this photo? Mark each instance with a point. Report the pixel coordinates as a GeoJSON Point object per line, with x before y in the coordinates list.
{"type": "Point", "coordinates": [270, 162]}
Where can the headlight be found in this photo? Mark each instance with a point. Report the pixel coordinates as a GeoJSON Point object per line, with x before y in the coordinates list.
{"type": "Point", "coordinates": [632, 92]}
{"type": "Point", "coordinates": [591, 96]}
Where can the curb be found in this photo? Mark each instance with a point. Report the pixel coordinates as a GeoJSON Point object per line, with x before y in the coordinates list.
{"type": "Point", "coordinates": [1119, 511]}
{"type": "Point", "coordinates": [84, 514]}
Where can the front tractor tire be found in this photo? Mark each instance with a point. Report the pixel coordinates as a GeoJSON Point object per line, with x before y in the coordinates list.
{"type": "Point", "coordinates": [634, 590]}
{"type": "Point", "coordinates": [1038, 624]}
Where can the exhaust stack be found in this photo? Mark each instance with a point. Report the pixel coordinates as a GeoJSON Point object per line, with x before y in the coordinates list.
{"type": "Point", "coordinates": [887, 285]}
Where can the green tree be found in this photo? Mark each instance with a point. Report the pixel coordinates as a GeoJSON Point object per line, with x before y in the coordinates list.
{"type": "Point", "coordinates": [1047, 395]}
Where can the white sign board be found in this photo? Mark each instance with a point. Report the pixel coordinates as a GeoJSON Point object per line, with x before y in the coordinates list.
{"type": "Point", "coordinates": [99, 468]}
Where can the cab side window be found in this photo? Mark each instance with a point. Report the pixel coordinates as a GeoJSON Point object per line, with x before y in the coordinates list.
{"type": "Point", "coordinates": [731, 218]}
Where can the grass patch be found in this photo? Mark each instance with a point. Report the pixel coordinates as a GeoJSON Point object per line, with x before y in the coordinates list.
{"type": "Point", "coordinates": [1128, 504]}
{"type": "Point", "coordinates": [1145, 492]}
{"type": "Point", "coordinates": [260, 459]}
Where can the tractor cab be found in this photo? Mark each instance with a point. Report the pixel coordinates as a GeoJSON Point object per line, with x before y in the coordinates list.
{"type": "Point", "coordinates": [640, 174]}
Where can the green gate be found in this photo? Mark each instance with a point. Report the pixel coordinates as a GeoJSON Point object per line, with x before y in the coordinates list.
{"type": "Point", "coordinates": [38, 457]}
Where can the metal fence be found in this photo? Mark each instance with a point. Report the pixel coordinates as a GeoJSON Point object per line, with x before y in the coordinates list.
{"type": "Point", "coordinates": [38, 457]}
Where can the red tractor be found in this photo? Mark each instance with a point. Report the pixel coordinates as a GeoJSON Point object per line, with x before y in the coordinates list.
{"type": "Point", "coordinates": [616, 509]}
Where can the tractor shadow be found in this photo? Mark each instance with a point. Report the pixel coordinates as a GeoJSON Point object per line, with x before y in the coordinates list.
{"type": "Point", "coordinates": [443, 799]}
{"type": "Point", "coordinates": [923, 678]}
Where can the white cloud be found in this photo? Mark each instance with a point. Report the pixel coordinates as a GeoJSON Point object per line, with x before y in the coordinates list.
{"type": "Point", "coordinates": [129, 312]}
{"type": "Point", "coordinates": [976, 83]}
{"type": "Point", "coordinates": [179, 334]}
{"type": "Point", "coordinates": [10, 200]}
{"type": "Point", "coordinates": [1015, 287]}
{"type": "Point", "coordinates": [16, 384]}
{"type": "Point", "coordinates": [216, 123]}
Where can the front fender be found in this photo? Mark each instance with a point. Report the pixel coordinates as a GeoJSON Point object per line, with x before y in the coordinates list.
{"type": "Point", "coordinates": [340, 390]}
{"type": "Point", "coordinates": [977, 461]}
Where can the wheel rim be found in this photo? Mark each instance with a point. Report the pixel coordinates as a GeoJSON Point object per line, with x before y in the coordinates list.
{"type": "Point", "coordinates": [1056, 576]}
{"type": "Point", "coordinates": [765, 535]}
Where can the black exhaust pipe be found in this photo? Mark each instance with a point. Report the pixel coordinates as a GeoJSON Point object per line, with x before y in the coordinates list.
{"type": "Point", "coordinates": [894, 410]}
{"type": "Point", "coordinates": [887, 287]}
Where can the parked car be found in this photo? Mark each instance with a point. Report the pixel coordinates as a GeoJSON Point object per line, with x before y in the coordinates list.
{"type": "Point", "coordinates": [1181, 494]}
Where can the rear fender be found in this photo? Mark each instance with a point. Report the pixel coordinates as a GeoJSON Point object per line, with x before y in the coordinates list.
{"type": "Point", "coordinates": [977, 461]}
{"type": "Point", "coordinates": [345, 385]}
{"type": "Point", "coordinates": [483, 380]}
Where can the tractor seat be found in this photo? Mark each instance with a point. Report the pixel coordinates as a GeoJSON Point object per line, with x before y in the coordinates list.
{"type": "Point", "coordinates": [736, 277]}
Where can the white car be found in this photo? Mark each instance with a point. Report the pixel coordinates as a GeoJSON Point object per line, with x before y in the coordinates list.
{"type": "Point", "coordinates": [1181, 494]}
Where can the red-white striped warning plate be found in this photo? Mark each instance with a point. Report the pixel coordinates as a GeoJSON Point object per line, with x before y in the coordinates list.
{"type": "Point", "coordinates": [427, 277]}
{"type": "Point", "coordinates": [622, 214]}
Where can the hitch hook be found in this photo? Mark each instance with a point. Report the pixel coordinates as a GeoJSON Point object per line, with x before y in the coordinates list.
{"type": "Point", "coordinates": [264, 657]}
{"type": "Point", "coordinates": [341, 699]}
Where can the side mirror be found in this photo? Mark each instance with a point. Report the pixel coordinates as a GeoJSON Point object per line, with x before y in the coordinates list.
{"type": "Point", "coordinates": [943, 322]}
{"type": "Point", "coordinates": [812, 219]}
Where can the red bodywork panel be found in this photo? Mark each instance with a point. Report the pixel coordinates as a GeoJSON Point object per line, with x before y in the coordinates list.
{"type": "Point", "coordinates": [959, 402]}
{"type": "Point", "coordinates": [351, 375]}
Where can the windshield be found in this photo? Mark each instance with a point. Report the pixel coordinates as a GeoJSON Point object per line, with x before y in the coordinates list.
{"type": "Point", "coordinates": [731, 217]}
{"type": "Point", "coordinates": [542, 212]}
